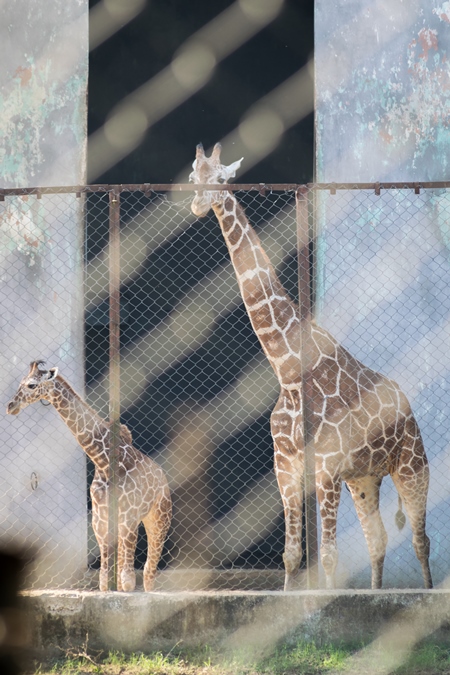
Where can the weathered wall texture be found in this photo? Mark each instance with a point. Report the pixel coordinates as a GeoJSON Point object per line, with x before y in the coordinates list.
{"type": "Point", "coordinates": [43, 93]}
{"type": "Point", "coordinates": [383, 97]}
{"type": "Point", "coordinates": [244, 624]}
{"type": "Point", "coordinates": [383, 90]}
{"type": "Point", "coordinates": [43, 85]}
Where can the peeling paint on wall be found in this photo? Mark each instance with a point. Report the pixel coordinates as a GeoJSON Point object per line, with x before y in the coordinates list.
{"type": "Point", "coordinates": [391, 94]}
{"type": "Point", "coordinates": [419, 108]}
{"type": "Point", "coordinates": [43, 89]}
{"type": "Point", "coordinates": [27, 138]}
{"type": "Point", "coordinates": [22, 229]}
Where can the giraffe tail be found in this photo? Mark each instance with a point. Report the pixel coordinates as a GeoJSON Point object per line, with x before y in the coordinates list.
{"type": "Point", "coordinates": [400, 518]}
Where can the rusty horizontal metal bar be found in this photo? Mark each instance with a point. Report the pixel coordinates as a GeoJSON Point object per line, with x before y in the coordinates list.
{"type": "Point", "coordinates": [379, 186]}
{"type": "Point", "coordinates": [258, 187]}
{"type": "Point", "coordinates": [148, 187]}
{"type": "Point", "coordinates": [66, 189]}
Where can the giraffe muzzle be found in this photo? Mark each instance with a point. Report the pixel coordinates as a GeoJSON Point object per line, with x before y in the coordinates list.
{"type": "Point", "coordinates": [13, 408]}
{"type": "Point", "coordinates": [200, 207]}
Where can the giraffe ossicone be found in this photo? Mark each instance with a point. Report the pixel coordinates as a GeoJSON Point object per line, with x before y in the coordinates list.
{"type": "Point", "coordinates": [221, 174]}
{"type": "Point", "coordinates": [142, 490]}
{"type": "Point", "coordinates": [364, 428]}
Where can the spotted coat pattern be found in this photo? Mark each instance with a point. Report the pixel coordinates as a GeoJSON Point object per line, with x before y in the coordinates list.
{"type": "Point", "coordinates": [142, 490]}
{"type": "Point", "coordinates": [363, 425]}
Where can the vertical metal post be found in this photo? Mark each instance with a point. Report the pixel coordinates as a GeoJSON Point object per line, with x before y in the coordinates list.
{"type": "Point", "coordinates": [114, 380]}
{"type": "Point", "coordinates": [305, 286]}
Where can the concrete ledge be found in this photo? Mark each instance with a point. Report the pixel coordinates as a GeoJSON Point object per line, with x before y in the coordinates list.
{"type": "Point", "coordinates": [61, 620]}
{"type": "Point", "coordinates": [181, 580]}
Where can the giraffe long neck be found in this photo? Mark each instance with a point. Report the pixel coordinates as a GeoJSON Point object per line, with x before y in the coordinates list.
{"type": "Point", "coordinates": [273, 315]}
{"type": "Point", "coordinates": [91, 432]}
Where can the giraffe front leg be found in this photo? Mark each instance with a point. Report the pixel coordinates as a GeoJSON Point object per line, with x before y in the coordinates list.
{"type": "Point", "coordinates": [100, 527]}
{"type": "Point", "coordinates": [126, 576]}
{"type": "Point", "coordinates": [119, 566]}
{"type": "Point", "coordinates": [103, 572]}
{"type": "Point", "coordinates": [99, 513]}
{"type": "Point", "coordinates": [329, 495]}
{"type": "Point", "coordinates": [289, 476]}
{"type": "Point", "coordinates": [292, 555]}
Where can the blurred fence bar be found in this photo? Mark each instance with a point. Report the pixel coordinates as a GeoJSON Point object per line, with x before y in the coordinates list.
{"type": "Point", "coordinates": [305, 294]}
{"type": "Point", "coordinates": [114, 379]}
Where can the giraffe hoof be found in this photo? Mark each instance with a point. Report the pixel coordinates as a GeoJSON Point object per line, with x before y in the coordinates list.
{"type": "Point", "coordinates": [128, 580]}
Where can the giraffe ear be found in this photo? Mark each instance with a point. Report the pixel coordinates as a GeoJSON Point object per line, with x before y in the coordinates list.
{"type": "Point", "coordinates": [51, 373]}
{"type": "Point", "coordinates": [230, 171]}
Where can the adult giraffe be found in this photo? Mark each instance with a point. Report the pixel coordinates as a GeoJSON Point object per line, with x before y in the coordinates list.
{"type": "Point", "coordinates": [363, 425]}
{"type": "Point", "coordinates": [142, 490]}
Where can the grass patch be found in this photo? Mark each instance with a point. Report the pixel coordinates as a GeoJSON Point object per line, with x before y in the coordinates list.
{"type": "Point", "coordinates": [306, 658]}
{"type": "Point", "coordinates": [303, 658]}
{"type": "Point", "coordinates": [135, 664]}
{"type": "Point", "coordinates": [428, 658]}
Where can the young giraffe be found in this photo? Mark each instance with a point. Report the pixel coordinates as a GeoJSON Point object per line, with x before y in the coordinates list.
{"type": "Point", "coordinates": [363, 426]}
{"type": "Point", "coordinates": [142, 490]}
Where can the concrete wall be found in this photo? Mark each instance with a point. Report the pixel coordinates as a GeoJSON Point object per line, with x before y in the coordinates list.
{"type": "Point", "coordinates": [242, 624]}
{"type": "Point", "coordinates": [383, 91]}
{"type": "Point", "coordinates": [43, 85]}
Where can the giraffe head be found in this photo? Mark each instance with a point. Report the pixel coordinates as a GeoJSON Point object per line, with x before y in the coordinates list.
{"type": "Point", "coordinates": [37, 385]}
{"type": "Point", "coordinates": [209, 170]}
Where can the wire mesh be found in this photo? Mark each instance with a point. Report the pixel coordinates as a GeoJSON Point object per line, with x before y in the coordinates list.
{"type": "Point", "coordinates": [382, 291]}
{"type": "Point", "coordinates": [196, 390]}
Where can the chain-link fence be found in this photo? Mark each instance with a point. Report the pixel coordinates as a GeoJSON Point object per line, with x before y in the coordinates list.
{"type": "Point", "coordinates": [162, 307]}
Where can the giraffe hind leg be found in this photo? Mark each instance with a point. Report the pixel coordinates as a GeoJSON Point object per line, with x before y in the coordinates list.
{"type": "Point", "coordinates": [366, 497]}
{"type": "Point", "coordinates": [413, 492]}
{"type": "Point", "coordinates": [156, 523]}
